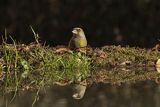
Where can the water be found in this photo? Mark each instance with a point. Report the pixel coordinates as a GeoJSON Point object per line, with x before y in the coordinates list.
{"type": "Point", "coordinates": [138, 94]}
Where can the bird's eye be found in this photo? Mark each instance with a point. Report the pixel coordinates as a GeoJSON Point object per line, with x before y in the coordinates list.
{"type": "Point", "coordinates": [78, 29]}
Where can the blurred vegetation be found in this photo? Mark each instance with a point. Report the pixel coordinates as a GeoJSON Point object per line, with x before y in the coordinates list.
{"type": "Point", "coordinates": [132, 22]}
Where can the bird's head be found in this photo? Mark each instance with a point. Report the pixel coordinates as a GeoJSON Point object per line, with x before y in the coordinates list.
{"type": "Point", "coordinates": [78, 31]}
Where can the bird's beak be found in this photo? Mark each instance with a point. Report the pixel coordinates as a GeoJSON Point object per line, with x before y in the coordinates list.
{"type": "Point", "coordinates": [74, 31]}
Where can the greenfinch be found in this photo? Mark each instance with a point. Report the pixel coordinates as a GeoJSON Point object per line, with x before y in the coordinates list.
{"type": "Point", "coordinates": [78, 39]}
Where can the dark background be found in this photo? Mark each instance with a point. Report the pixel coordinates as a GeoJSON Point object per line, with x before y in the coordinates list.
{"type": "Point", "coordinates": [105, 22]}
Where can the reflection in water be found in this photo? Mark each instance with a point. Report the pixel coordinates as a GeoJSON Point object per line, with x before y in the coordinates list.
{"type": "Point", "coordinates": [79, 90]}
{"type": "Point", "coordinates": [141, 94]}
{"type": "Point", "coordinates": [158, 65]}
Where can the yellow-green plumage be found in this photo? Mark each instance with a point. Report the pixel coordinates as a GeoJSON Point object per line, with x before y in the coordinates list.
{"type": "Point", "coordinates": [78, 39]}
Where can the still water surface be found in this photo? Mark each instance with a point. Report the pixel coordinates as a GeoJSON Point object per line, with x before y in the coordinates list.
{"type": "Point", "coordinates": [141, 94]}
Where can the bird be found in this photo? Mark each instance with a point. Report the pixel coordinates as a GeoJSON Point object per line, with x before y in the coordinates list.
{"type": "Point", "coordinates": [78, 39]}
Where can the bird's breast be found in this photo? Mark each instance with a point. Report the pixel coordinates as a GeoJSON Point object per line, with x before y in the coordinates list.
{"type": "Point", "coordinates": [80, 42]}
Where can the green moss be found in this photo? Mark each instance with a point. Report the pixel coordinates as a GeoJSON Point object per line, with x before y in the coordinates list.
{"type": "Point", "coordinates": [137, 56]}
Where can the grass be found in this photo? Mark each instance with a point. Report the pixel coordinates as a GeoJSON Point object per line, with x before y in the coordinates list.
{"type": "Point", "coordinates": [40, 65]}
{"type": "Point", "coordinates": [35, 65]}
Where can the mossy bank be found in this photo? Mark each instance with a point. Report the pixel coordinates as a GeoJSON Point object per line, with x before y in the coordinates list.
{"type": "Point", "coordinates": [34, 65]}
